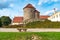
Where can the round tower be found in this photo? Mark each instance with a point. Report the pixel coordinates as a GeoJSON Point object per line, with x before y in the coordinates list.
{"type": "Point", "coordinates": [29, 13]}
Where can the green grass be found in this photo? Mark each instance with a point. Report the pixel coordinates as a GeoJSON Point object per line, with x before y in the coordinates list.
{"type": "Point", "coordinates": [27, 35]}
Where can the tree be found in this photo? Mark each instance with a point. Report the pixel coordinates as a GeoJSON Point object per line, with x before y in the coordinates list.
{"type": "Point", "coordinates": [0, 23]}
{"type": "Point", "coordinates": [5, 20]}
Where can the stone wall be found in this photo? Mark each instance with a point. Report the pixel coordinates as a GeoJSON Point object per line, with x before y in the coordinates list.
{"type": "Point", "coordinates": [29, 14]}
{"type": "Point", "coordinates": [37, 16]}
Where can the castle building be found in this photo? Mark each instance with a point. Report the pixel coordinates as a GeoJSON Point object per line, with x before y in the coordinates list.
{"type": "Point", "coordinates": [30, 13]}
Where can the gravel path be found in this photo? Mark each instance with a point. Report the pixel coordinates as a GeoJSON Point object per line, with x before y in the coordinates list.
{"type": "Point", "coordinates": [31, 30]}
{"type": "Point", "coordinates": [8, 30]}
{"type": "Point", "coordinates": [43, 30]}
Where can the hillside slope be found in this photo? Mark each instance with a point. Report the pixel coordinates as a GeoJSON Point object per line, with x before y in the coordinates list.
{"type": "Point", "coordinates": [43, 24]}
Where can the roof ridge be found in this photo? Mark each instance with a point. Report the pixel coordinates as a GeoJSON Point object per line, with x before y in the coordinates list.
{"type": "Point", "coordinates": [29, 6]}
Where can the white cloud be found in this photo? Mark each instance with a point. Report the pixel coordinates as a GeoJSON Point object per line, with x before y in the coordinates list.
{"type": "Point", "coordinates": [54, 0]}
{"type": "Point", "coordinates": [4, 0]}
{"type": "Point", "coordinates": [9, 12]}
{"type": "Point", "coordinates": [3, 12]}
{"type": "Point", "coordinates": [40, 2]}
{"type": "Point", "coordinates": [11, 5]}
{"type": "Point", "coordinates": [48, 12]}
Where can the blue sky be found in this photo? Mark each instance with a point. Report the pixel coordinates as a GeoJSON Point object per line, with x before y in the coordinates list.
{"type": "Point", "coordinates": [13, 8]}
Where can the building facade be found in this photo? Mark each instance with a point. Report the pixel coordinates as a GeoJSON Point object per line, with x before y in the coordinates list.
{"type": "Point", "coordinates": [55, 17]}
{"type": "Point", "coordinates": [17, 20]}
{"type": "Point", "coordinates": [37, 14]}
{"type": "Point", "coordinates": [44, 17]}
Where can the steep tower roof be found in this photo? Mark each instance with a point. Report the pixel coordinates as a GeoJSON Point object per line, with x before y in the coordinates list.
{"type": "Point", "coordinates": [28, 6]}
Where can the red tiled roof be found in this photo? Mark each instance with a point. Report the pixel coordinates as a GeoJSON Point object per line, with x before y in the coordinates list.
{"type": "Point", "coordinates": [44, 17]}
{"type": "Point", "coordinates": [17, 19]}
{"type": "Point", "coordinates": [29, 6]}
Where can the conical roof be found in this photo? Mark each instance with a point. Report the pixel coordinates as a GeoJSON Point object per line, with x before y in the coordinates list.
{"type": "Point", "coordinates": [29, 6]}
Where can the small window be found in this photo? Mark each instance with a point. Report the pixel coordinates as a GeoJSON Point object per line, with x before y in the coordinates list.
{"type": "Point", "coordinates": [56, 15]}
{"type": "Point", "coordinates": [59, 14]}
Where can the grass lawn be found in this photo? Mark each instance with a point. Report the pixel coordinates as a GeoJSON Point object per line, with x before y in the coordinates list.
{"type": "Point", "coordinates": [28, 35]}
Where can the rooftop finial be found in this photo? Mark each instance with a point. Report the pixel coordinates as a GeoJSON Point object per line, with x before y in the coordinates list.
{"type": "Point", "coordinates": [54, 10]}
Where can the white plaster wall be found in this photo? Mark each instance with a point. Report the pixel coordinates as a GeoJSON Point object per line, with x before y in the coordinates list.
{"type": "Point", "coordinates": [55, 17]}
{"type": "Point", "coordinates": [16, 23]}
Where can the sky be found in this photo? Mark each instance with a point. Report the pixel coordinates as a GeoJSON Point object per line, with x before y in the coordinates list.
{"type": "Point", "coordinates": [14, 8]}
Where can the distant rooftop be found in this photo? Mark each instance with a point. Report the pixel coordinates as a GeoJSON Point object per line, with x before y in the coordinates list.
{"type": "Point", "coordinates": [17, 19]}
{"type": "Point", "coordinates": [44, 16]}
